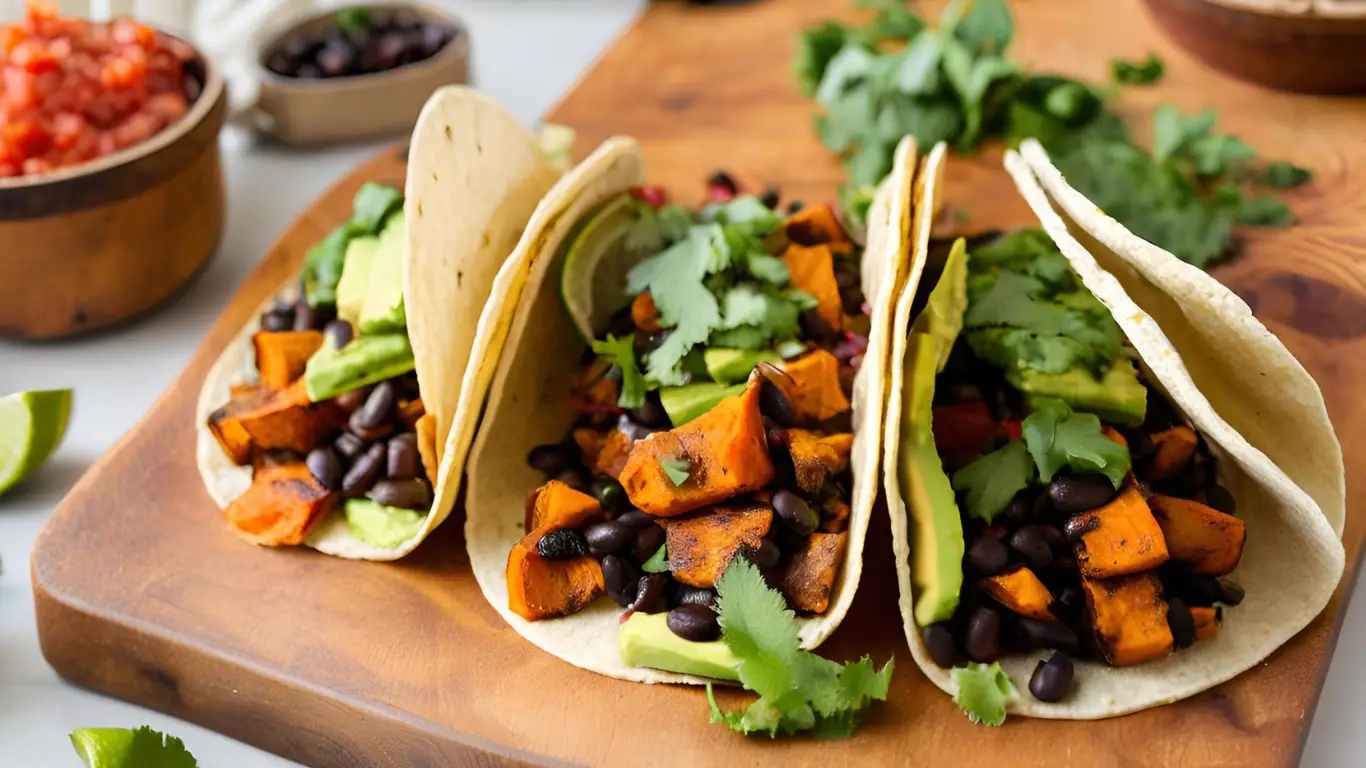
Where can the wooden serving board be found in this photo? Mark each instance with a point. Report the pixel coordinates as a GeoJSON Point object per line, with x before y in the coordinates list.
{"type": "Point", "coordinates": [142, 593]}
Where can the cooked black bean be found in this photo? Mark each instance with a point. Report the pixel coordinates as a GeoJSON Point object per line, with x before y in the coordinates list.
{"type": "Point", "coordinates": [1032, 544]}
{"type": "Point", "coordinates": [650, 593]}
{"type": "Point", "coordinates": [774, 404]}
{"type": "Point", "coordinates": [634, 518]}
{"type": "Point", "coordinates": [795, 206]}
{"type": "Point", "coordinates": [982, 638]}
{"type": "Point", "coordinates": [409, 493]}
{"type": "Point", "coordinates": [795, 514]}
{"type": "Point", "coordinates": [652, 413]}
{"type": "Point", "coordinates": [939, 642]}
{"type": "Point", "coordinates": [561, 544]}
{"type": "Point", "coordinates": [339, 332]}
{"type": "Point", "coordinates": [1141, 447]}
{"type": "Point", "coordinates": [780, 456]}
{"type": "Point", "coordinates": [724, 181]}
{"type": "Point", "coordinates": [1068, 602]}
{"type": "Point", "coordinates": [377, 409]}
{"type": "Point", "coordinates": [687, 595]}
{"type": "Point", "coordinates": [1230, 592]}
{"type": "Point", "coordinates": [1193, 589]}
{"type": "Point", "coordinates": [1016, 512]}
{"type": "Point", "coordinates": [1042, 507]}
{"type": "Point", "coordinates": [697, 623]}
{"type": "Point", "coordinates": [365, 470]}
{"type": "Point", "coordinates": [645, 343]}
{"type": "Point", "coordinates": [1181, 622]}
{"type": "Point", "coordinates": [326, 468]}
{"type": "Point", "coordinates": [551, 458]}
{"type": "Point", "coordinates": [1218, 496]}
{"type": "Point", "coordinates": [305, 317]}
{"type": "Point", "coordinates": [767, 555]}
{"type": "Point", "coordinates": [574, 479]}
{"type": "Point", "coordinates": [403, 459]}
{"type": "Point", "coordinates": [1159, 414]}
{"type": "Point", "coordinates": [987, 555]}
{"type": "Point", "coordinates": [609, 494]}
{"type": "Point", "coordinates": [647, 542]}
{"type": "Point", "coordinates": [620, 579]}
{"type": "Point", "coordinates": [608, 537]}
{"type": "Point", "coordinates": [348, 445]}
{"type": "Point", "coordinates": [353, 399]}
{"type": "Point", "coordinates": [1052, 679]}
{"type": "Point", "coordinates": [635, 431]}
{"type": "Point", "coordinates": [850, 289]}
{"type": "Point", "coordinates": [1078, 493]}
{"type": "Point", "coordinates": [278, 320]}
{"type": "Point", "coordinates": [815, 328]}
{"type": "Point", "coordinates": [770, 197]}
{"type": "Point", "coordinates": [372, 434]}
{"type": "Point", "coordinates": [1047, 634]}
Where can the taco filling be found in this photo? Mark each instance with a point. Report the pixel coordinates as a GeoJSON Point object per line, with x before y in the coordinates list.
{"type": "Point", "coordinates": [335, 421]}
{"type": "Point", "coordinates": [1059, 504]}
{"type": "Point", "coordinates": [711, 419]}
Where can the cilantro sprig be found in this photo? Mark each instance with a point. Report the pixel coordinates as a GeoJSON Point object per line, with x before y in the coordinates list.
{"type": "Point", "coordinates": [983, 691]}
{"type": "Point", "coordinates": [994, 478]}
{"type": "Point", "coordinates": [621, 352]}
{"type": "Point", "coordinates": [1057, 437]}
{"type": "Point", "coordinates": [130, 748]}
{"type": "Point", "coordinates": [798, 690]}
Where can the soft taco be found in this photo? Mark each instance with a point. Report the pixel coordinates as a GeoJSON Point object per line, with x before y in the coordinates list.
{"type": "Point", "coordinates": [683, 388]}
{"type": "Point", "coordinates": [339, 418]}
{"type": "Point", "coordinates": [1066, 501]}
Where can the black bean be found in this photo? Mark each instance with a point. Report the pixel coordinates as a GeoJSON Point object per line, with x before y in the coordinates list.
{"type": "Point", "coordinates": [795, 514]}
{"type": "Point", "coordinates": [433, 38]}
{"type": "Point", "coordinates": [403, 457]}
{"type": "Point", "coordinates": [851, 296]}
{"type": "Point", "coordinates": [1032, 544]}
{"type": "Point", "coordinates": [770, 197]}
{"type": "Point", "coordinates": [305, 317]}
{"type": "Point", "coordinates": [1230, 592]}
{"type": "Point", "coordinates": [1016, 512]}
{"type": "Point", "coordinates": [987, 555]}
{"type": "Point", "coordinates": [562, 544]}
{"type": "Point", "coordinates": [697, 623]}
{"type": "Point", "coordinates": [1181, 622]}
{"type": "Point", "coordinates": [309, 71]}
{"type": "Point", "coordinates": [774, 404]}
{"type": "Point", "coordinates": [574, 479]}
{"type": "Point", "coordinates": [1068, 602]}
{"type": "Point", "coordinates": [1042, 507]}
{"type": "Point", "coordinates": [1052, 679]}
{"type": "Point", "coordinates": [606, 538]}
{"type": "Point", "coordinates": [609, 493]}
{"type": "Point", "coordinates": [939, 642]}
{"type": "Point", "coordinates": [651, 414]}
{"type": "Point", "coordinates": [551, 459]}
{"type": "Point", "coordinates": [348, 445]}
{"type": "Point", "coordinates": [766, 555]}
{"type": "Point", "coordinates": [339, 332]}
{"type": "Point", "coordinates": [1218, 496]}
{"type": "Point", "coordinates": [982, 638]}
{"type": "Point", "coordinates": [372, 434]}
{"type": "Point", "coordinates": [410, 493]}
{"type": "Point", "coordinates": [326, 468]}
{"type": "Point", "coordinates": [632, 429]}
{"type": "Point", "coordinates": [365, 470]}
{"type": "Point", "coordinates": [723, 180]}
{"type": "Point", "coordinates": [1191, 588]}
{"type": "Point", "coordinates": [1141, 447]}
{"type": "Point", "coordinates": [648, 541]}
{"type": "Point", "coordinates": [353, 399]}
{"type": "Point", "coordinates": [377, 409]}
{"type": "Point", "coordinates": [688, 595]}
{"type": "Point", "coordinates": [650, 593]}
{"type": "Point", "coordinates": [620, 579]}
{"type": "Point", "coordinates": [1159, 414]}
{"type": "Point", "coordinates": [795, 206]}
{"type": "Point", "coordinates": [634, 518]}
{"type": "Point", "coordinates": [278, 320]}
{"type": "Point", "coordinates": [780, 456]}
{"type": "Point", "coordinates": [1073, 494]}
{"type": "Point", "coordinates": [1047, 634]}
{"type": "Point", "coordinates": [815, 328]}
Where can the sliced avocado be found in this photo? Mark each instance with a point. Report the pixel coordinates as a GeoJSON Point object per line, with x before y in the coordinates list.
{"type": "Point", "coordinates": [942, 317]}
{"type": "Point", "coordinates": [382, 526]}
{"type": "Point", "coordinates": [936, 529]}
{"type": "Point", "coordinates": [1118, 397]}
{"type": "Point", "coordinates": [384, 311]}
{"type": "Point", "coordinates": [685, 403]}
{"type": "Point", "coordinates": [366, 360]}
{"type": "Point", "coordinates": [355, 279]}
{"type": "Point", "coordinates": [727, 366]}
{"type": "Point", "coordinates": [646, 641]}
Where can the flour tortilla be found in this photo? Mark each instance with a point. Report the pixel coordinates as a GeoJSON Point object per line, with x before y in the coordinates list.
{"type": "Point", "coordinates": [529, 406]}
{"type": "Point", "coordinates": [474, 179]}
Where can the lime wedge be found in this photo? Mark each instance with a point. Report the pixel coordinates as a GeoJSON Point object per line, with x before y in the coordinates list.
{"type": "Point", "coordinates": [31, 426]}
{"type": "Point", "coordinates": [593, 280]}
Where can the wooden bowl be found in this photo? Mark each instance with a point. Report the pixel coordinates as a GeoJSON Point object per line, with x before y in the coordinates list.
{"type": "Point", "coordinates": [309, 112]}
{"type": "Point", "coordinates": [1301, 52]}
{"type": "Point", "coordinates": [88, 246]}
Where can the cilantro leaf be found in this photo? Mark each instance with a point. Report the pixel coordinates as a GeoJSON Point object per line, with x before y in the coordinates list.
{"type": "Point", "coordinates": [815, 48]}
{"type": "Point", "coordinates": [676, 469]}
{"type": "Point", "coordinates": [621, 352]}
{"type": "Point", "coordinates": [767, 268]}
{"type": "Point", "coordinates": [993, 480]}
{"type": "Point", "coordinates": [987, 27]}
{"type": "Point", "coordinates": [983, 691]}
{"type": "Point", "coordinates": [1282, 175]}
{"type": "Point", "coordinates": [1144, 72]}
{"type": "Point", "coordinates": [658, 561]}
{"type": "Point", "coordinates": [775, 317]}
{"type": "Point", "coordinates": [1264, 211]}
{"type": "Point", "coordinates": [674, 279]}
{"type": "Point", "coordinates": [1057, 437]}
{"type": "Point", "coordinates": [127, 748]}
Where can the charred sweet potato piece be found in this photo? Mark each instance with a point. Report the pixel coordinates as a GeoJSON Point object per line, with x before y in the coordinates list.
{"type": "Point", "coordinates": [409, 411]}
{"type": "Point", "coordinates": [810, 577]}
{"type": "Point", "coordinates": [701, 545]}
{"type": "Point", "coordinates": [1207, 621]}
{"type": "Point", "coordinates": [282, 355]}
{"type": "Point", "coordinates": [834, 515]}
{"type": "Point", "coordinates": [1175, 447]}
{"type": "Point", "coordinates": [1205, 539]}
{"type": "Point", "coordinates": [616, 450]}
{"type": "Point", "coordinates": [288, 420]}
{"type": "Point", "coordinates": [592, 393]}
{"type": "Point", "coordinates": [283, 502]}
{"type": "Point", "coordinates": [242, 389]}
{"type": "Point", "coordinates": [1119, 538]}
{"type": "Point", "coordinates": [1128, 617]}
{"type": "Point", "coordinates": [813, 271]}
{"type": "Point", "coordinates": [539, 588]}
{"type": "Point", "coordinates": [559, 506]}
{"type": "Point", "coordinates": [644, 313]}
{"type": "Point", "coordinates": [1114, 435]}
{"type": "Point", "coordinates": [816, 224]}
{"type": "Point", "coordinates": [425, 428]}
{"type": "Point", "coordinates": [1022, 592]}
{"type": "Point", "coordinates": [226, 423]}
{"type": "Point", "coordinates": [724, 451]}
{"type": "Point", "coordinates": [813, 387]}
{"type": "Point", "coordinates": [817, 458]}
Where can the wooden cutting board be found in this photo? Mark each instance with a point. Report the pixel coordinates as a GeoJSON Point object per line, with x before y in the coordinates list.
{"type": "Point", "coordinates": [142, 593]}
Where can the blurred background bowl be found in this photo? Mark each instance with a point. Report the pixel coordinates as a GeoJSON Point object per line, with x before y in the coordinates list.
{"type": "Point", "coordinates": [1301, 52]}
{"type": "Point", "coordinates": [84, 247]}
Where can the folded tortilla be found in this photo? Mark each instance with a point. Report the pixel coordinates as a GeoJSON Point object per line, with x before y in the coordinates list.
{"type": "Point", "coordinates": [1292, 559]}
{"type": "Point", "coordinates": [474, 178]}
{"type": "Point", "coordinates": [529, 406]}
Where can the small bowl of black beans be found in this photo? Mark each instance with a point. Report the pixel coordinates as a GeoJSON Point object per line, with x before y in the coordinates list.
{"type": "Point", "coordinates": [357, 73]}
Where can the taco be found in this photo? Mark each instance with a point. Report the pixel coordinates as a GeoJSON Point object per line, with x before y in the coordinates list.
{"type": "Point", "coordinates": [683, 388]}
{"type": "Point", "coordinates": [1066, 501]}
{"type": "Point", "coordinates": [340, 417]}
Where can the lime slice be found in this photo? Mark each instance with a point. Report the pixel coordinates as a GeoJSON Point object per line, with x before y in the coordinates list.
{"type": "Point", "coordinates": [31, 426]}
{"type": "Point", "coordinates": [593, 280]}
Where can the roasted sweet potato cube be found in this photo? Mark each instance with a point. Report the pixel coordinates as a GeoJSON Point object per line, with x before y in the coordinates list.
{"type": "Point", "coordinates": [809, 580]}
{"type": "Point", "coordinates": [559, 506]}
{"type": "Point", "coordinates": [813, 270]}
{"type": "Point", "coordinates": [1119, 538]}
{"type": "Point", "coordinates": [242, 389]}
{"type": "Point", "coordinates": [1128, 618]}
{"type": "Point", "coordinates": [1207, 621]}
{"type": "Point", "coordinates": [425, 428]}
{"type": "Point", "coordinates": [812, 386]}
{"type": "Point", "coordinates": [644, 313]}
{"type": "Point", "coordinates": [701, 545]}
{"type": "Point", "coordinates": [410, 411]}
{"type": "Point", "coordinates": [724, 453]}
{"type": "Point", "coordinates": [817, 458]}
{"type": "Point", "coordinates": [593, 393]}
{"type": "Point", "coordinates": [834, 515]}
{"type": "Point", "coordinates": [1022, 592]}
{"type": "Point", "coordinates": [1114, 435]}
{"type": "Point", "coordinates": [539, 588]}
{"type": "Point", "coordinates": [816, 224]}
{"type": "Point", "coordinates": [281, 356]}
{"type": "Point", "coordinates": [226, 423]}
{"type": "Point", "coordinates": [283, 502]}
{"type": "Point", "coordinates": [287, 420]}
{"type": "Point", "coordinates": [616, 450]}
{"type": "Point", "coordinates": [1208, 541]}
{"type": "Point", "coordinates": [1175, 447]}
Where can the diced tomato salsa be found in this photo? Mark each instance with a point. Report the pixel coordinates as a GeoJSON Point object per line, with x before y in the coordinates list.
{"type": "Point", "coordinates": [72, 90]}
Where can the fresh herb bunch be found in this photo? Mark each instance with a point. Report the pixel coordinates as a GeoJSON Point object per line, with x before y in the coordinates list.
{"type": "Point", "coordinates": [896, 75]}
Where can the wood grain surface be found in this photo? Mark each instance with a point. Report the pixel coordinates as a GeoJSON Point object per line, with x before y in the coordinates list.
{"type": "Point", "coordinates": [143, 593]}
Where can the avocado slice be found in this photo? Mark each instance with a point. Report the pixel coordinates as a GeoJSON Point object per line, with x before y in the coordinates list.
{"type": "Point", "coordinates": [1117, 397]}
{"type": "Point", "coordinates": [646, 641]}
{"type": "Point", "coordinates": [685, 403]}
{"type": "Point", "coordinates": [388, 527]}
{"type": "Point", "coordinates": [366, 360]}
{"type": "Point", "coordinates": [727, 366]}
{"type": "Point", "coordinates": [383, 311]}
{"type": "Point", "coordinates": [355, 279]}
{"type": "Point", "coordinates": [942, 317]}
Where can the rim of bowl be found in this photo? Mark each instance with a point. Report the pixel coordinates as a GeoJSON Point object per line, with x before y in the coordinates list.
{"type": "Point", "coordinates": [1313, 22]}
{"type": "Point", "coordinates": [211, 92]}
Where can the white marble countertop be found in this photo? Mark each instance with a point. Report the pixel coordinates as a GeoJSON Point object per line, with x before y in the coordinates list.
{"type": "Point", "coordinates": [526, 53]}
